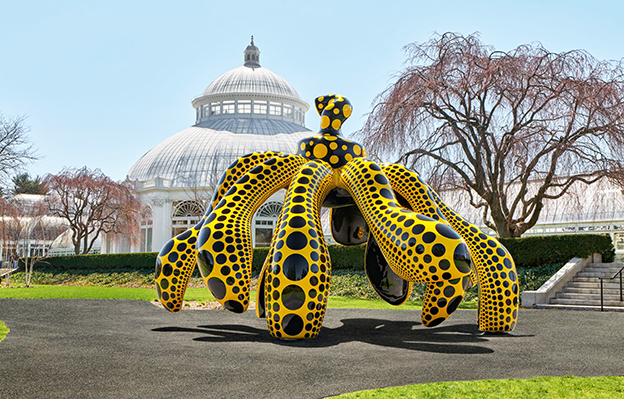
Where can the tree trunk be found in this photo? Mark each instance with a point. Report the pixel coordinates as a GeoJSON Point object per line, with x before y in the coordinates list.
{"type": "Point", "coordinates": [26, 279]}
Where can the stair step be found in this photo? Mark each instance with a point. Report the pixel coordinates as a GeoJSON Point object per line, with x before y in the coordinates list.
{"type": "Point", "coordinates": [612, 265]}
{"type": "Point", "coordinates": [595, 283]}
{"type": "Point", "coordinates": [583, 279]}
{"type": "Point", "coordinates": [579, 307]}
{"type": "Point", "coordinates": [587, 296]}
{"type": "Point", "coordinates": [588, 302]}
{"type": "Point", "coordinates": [604, 266]}
{"type": "Point", "coordinates": [585, 273]}
{"type": "Point", "coordinates": [592, 290]}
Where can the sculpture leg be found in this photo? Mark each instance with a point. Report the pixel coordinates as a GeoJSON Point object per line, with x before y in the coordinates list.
{"type": "Point", "coordinates": [177, 259]}
{"type": "Point", "coordinates": [417, 248]}
{"type": "Point", "coordinates": [416, 195]}
{"type": "Point", "coordinates": [297, 283]}
{"type": "Point", "coordinates": [498, 281]}
{"type": "Point", "coordinates": [174, 266]}
{"type": "Point", "coordinates": [495, 269]}
{"type": "Point", "coordinates": [237, 170]}
{"type": "Point", "coordinates": [224, 242]}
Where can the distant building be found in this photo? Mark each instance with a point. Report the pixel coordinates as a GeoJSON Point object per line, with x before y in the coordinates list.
{"type": "Point", "coordinates": [27, 229]}
{"type": "Point", "coordinates": [248, 109]}
{"type": "Point", "coordinates": [593, 209]}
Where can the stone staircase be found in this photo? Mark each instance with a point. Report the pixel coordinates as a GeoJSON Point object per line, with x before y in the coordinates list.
{"type": "Point", "coordinates": [584, 288]}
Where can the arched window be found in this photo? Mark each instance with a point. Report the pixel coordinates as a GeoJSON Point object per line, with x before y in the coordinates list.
{"type": "Point", "coordinates": [185, 215]}
{"type": "Point", "coordinates": [188, 209]}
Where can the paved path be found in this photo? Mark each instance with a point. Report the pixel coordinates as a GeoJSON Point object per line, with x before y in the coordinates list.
{"type": "Point", "coordinates": [128, 349]}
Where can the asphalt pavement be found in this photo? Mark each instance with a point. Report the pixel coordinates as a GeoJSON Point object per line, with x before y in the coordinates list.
{"type": "Point", "coordinates": [78, 348]}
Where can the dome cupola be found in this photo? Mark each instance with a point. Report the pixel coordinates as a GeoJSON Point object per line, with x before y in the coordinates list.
{"type": "Point", "coordinates": [250, 92]}
{"type": "Point", "coordinates": [247, 109]}
{"type": "Point", "coordinates": [252, 56]}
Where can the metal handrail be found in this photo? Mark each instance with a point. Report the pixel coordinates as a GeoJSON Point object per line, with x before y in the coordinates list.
{"type": "Point", "coordinates": [601, 287]}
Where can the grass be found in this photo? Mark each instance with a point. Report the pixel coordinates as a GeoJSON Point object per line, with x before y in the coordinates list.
{"type": "Point", "coordinates": [349, 288]}
{"type": "Point", "coordinates": [4, 330]}
{"type": "Point", "coordinates": [192, 294]}
{"type": "Point", "coordinates": [540, 387]}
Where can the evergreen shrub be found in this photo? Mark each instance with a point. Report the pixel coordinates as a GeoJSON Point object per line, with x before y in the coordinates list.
{"type": "Point", "coordinates": [527, 252]}
{"type": "Point", "coordinates": [534, 251]}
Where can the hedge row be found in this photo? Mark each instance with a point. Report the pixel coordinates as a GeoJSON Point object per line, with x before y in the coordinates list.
{"type": "Point", "coordinates": [527, 252]}
{"type": "Point", "coordinates": [542, 250]}
{"type": "Point", "coordinates": [136, 261]}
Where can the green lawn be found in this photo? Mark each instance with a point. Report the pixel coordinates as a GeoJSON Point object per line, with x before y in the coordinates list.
{"type": "Point", "coordinates": [192, 294]}
{"type": "Point", "coordinates": [4, 330]}
{"type": "Point", "coordinates": [540, 387]}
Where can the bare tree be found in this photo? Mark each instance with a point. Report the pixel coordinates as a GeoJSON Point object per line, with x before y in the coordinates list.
{"type": "Point", "coordinates": [92, 203]}
{"type": "Point", "coordinates": [511, 130]}
{"type": "Point", "coordinates": [26, 230]}
{"type": "Point", "coordinates": [15, 147]}
{"type": "Point", "coordinates": [8, 215]}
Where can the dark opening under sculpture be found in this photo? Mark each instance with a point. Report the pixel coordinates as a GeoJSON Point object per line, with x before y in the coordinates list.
{"type": "Point", "coordinates": [411, 236]}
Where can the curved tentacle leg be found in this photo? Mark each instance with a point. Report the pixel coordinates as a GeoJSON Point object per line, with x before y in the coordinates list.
{"type": "Point", "coordinates": [297, 282]}
{"type": "Point", "coordinates": [498, 281]}
{"type": "Point", "coordinates": [224, 242]}
{"type": "Point", "coordinates": [495, 270]}
{"type": "Point", "coordinates": [409, 188]}
{"type": "Point", "coordinates": [417, 248]}
{"type": "Point", "coordinates": [177, 259]}
{"type": "Point", "coordinates": [235, 171]}
{"type": "Point", "coordinates": [174, 266]}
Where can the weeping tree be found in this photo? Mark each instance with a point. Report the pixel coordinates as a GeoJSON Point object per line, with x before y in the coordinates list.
{"type": "Point", "coordinates": [509, 130]}
{"type": "Point", "coordinates": [92, 204]}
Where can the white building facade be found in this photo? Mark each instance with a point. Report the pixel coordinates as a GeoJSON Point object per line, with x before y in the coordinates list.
{"type": "Point", "coordinates": [248, 109]}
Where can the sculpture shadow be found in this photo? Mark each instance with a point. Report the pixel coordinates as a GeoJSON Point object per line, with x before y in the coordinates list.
{"type": "Point", "coordinates": [408, 335]}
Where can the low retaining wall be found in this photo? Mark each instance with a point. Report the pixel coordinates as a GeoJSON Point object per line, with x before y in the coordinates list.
{"type": "Point", "coordinates": [556, 283]}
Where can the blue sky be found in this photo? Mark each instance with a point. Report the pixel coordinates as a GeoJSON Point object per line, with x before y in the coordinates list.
{"type": "Point", "coordinates": [103, 82]}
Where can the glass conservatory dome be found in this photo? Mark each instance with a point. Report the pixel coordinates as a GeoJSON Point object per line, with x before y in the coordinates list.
{"type": "Point", "coordinates": [248, 109]}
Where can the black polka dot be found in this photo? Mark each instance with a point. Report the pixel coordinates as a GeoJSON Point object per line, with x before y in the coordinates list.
{"type": "Point", "coordinates": [297, 209]}
{"type": "Point", "coordinates": [293, 297]}
{"type": "Point", "coordinates": [292, 324]}
{"type": "Point", "coordinates": [297, 222]}
{"type": "Point", "coordinates": [217, 288]}
{"type": "Point", "coordinates": [446, 231]}
{"type": "Point", "coordinates": [173, 257]}
{"type": "Point", "coordinates": [453, 304]}
{"type": "Point", "coordinates": [429, 237]}
{"type": "Point", "coordinates": [444, 264]}
{"type": "Point", "coordinates": [295, 267]}
{"type": "Point", "coordinates": [384, 192]}
{"type": "Point", "coordinates": [296, 241]}
{"type": "Point", "coordinates": [205, 262]}
{"type": "Point", "coordinates": [158, 268]}
{"type": "Point", "coordinates": [419, 228]}
{"type": "Point", "coordinates": [435, 322]}
{"type": "Point", "coordinates": [438, 250]}
{"type": "Point", "coordinates": [381, 179]}
{"type": "Point", "coordinates": [462, 258]}
{"type": "Point", "coordinates": [234, 306]}
{"type": "Point", "coordinates": [168, 246]}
